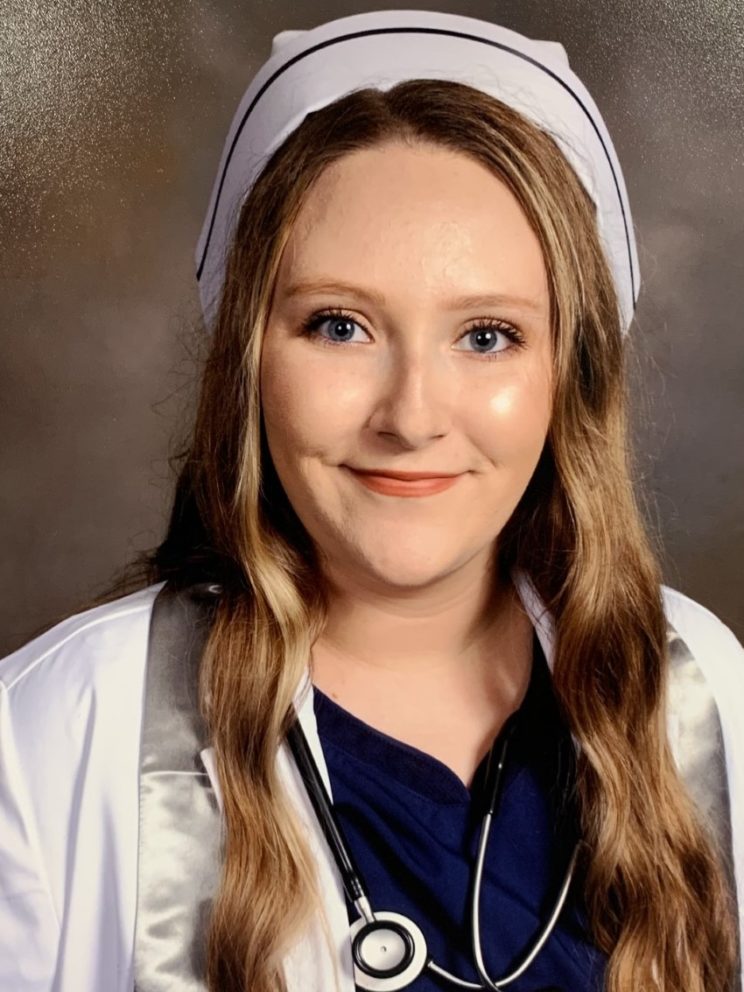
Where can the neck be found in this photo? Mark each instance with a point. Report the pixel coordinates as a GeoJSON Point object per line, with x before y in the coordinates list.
{"type": "Point", "coordinates": [438, 668]}
{"type": "Point", "coordinates": [418, 632]}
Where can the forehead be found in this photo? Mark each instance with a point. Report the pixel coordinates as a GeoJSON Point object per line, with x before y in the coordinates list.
{"type": "Point", "coordinates": [422, 215]}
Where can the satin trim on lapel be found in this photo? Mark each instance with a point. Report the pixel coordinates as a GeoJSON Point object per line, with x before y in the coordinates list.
{"type": "Point", "coordinates": [696, 738]}
{"type": "Point", "coordinates": [179, 829]}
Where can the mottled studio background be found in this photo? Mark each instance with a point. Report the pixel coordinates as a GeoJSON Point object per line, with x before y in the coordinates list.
{"type": "Point", "coordinates": [112, 119]}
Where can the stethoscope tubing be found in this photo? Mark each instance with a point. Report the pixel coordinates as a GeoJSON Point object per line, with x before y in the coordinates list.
{"type": "Point", "coordinates": [321, 804]}
{"type": "Point", "coordinates": [351, 876]}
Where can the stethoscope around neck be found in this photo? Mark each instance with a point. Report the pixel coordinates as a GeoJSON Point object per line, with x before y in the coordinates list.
{"type": "Point", "coordinates": [388, 949]}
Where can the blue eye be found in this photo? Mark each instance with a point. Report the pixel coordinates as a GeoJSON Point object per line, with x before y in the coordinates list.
{"type": "Point", "coordinates": [339, 322]}
{"type": "Point", "coordinates": [484, 333]}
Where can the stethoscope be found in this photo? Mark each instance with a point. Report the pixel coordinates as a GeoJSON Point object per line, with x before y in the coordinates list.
{"type": "Point", "coordinates": [389, 950]}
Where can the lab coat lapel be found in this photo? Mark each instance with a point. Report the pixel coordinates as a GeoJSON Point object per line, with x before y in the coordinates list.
{"type": "Point", "coordinates": [541, 619]}
{"type": "Point", "coordinates": [179, 824]}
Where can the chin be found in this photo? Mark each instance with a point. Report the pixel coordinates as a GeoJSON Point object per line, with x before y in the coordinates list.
{"type": "Point", "coordinates": [405, 569]}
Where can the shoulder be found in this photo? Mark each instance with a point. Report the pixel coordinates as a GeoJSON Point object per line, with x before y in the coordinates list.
{"type": "Point", "coordinates": [67, 693]}
{"type": "Point", "coordinates": [73, 694]}
{"type": "Point", "coordinates": [71, 703]}
{"type": "Point", "coordinates": [84, 648]}
{"type": "Point", "coordinates": [70, 716]}
{"type": "Point", "coordinates": [720, 658]}
{"type": "Point", "coordinates": [714, 645]}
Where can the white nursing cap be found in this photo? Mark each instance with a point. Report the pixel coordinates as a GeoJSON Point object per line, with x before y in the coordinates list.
{"type": "Point", "coordinates": [309, 69]}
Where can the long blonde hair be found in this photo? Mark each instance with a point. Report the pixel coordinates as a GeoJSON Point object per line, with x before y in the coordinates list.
{"type": "Point", "coordinates": [657, 898]}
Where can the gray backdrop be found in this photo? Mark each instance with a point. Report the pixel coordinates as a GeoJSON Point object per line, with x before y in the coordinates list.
{"type": "Point", "coordinates": [112, 122]}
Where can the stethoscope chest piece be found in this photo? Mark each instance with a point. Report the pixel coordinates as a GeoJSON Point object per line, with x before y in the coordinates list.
{"type": "Point", "coordinates": [389, 953]}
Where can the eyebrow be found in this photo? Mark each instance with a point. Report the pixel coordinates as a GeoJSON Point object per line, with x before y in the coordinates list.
{"type": "Point", "coordinates": [467, 302]}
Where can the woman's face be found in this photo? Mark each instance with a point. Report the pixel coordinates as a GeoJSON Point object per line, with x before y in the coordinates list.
{"type": "Point", "coordinates": [397, 237]}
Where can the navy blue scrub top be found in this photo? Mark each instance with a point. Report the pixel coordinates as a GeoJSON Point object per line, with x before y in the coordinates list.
{"type": "Point", "coordinates": [412, 827]}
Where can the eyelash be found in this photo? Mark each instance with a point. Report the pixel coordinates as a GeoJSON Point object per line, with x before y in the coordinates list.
{"type": "Point", "coordinates": [313, 322]}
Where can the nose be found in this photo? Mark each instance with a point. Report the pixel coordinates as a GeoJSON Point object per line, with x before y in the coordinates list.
{"type": "Point", "coordinates": [415, 399]}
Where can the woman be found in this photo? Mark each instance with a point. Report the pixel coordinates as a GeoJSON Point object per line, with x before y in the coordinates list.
{"type": "Point", "coordinates": [418, 258]}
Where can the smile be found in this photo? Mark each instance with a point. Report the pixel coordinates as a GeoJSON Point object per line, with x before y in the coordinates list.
{"type": "Point", "coordinates": [398, 487]}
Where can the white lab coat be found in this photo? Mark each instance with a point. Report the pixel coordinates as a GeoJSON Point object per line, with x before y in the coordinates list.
{"type": "Point", "coordinates": [70, 717]}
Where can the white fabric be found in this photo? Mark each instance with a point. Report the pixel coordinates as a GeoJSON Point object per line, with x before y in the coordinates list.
{"type": "Point", "coordinates": [70, 715]}
{"type": "Point", "coordinates": [309, 69]}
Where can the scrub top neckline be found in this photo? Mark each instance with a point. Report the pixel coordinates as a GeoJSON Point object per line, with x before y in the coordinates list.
{"type": "Point", "coordinates": [417, 770]}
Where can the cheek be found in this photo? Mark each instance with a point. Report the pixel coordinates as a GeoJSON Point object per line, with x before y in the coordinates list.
{"type": "Point", "coordinates": [515, 417]}
{"type": "Point", "coordinates": [307, 406]}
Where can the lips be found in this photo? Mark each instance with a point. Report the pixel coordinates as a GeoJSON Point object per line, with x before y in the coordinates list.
{"type": "Point", "coordinates": [404, 476]}
{"type": "Point", "coordinates": [411, 483]}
